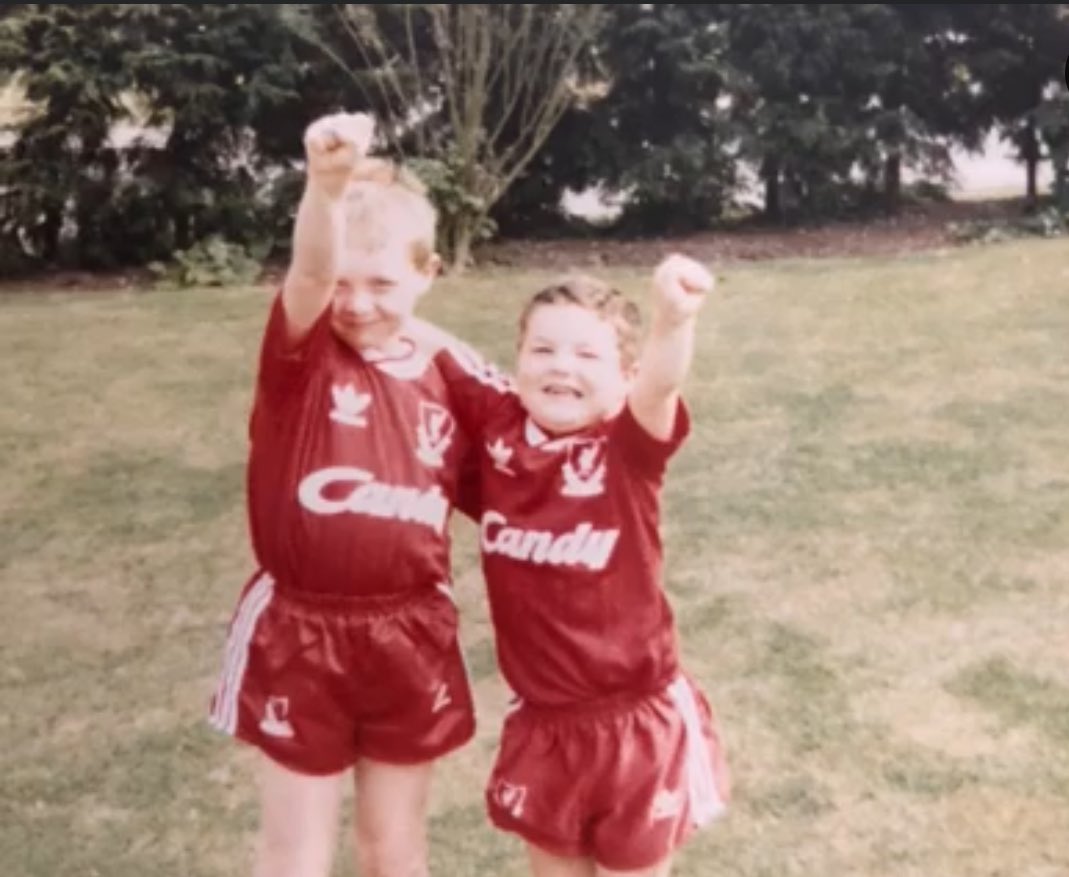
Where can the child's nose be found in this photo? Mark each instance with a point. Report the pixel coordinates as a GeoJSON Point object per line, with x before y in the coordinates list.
{"type": "Point", "coordinates": [561, 362]}
{"type": "Point", "coordinates": [357, 301]}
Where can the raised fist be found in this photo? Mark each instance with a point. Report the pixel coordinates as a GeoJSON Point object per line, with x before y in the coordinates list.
{"type": "Point", "coordinates": [680, 286]}
{"type": "Point", "coordinates": [335, 146]}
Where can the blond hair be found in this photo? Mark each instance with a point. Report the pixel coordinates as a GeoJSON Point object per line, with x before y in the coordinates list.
{"type": "Point", "coordinates": [384, 201]}
{"type": "Point", "coordinates": [593, 295]}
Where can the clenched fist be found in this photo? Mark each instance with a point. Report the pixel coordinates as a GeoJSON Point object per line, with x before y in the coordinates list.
{"type": "Point", "coordinates": [335, 147]}
{"type": "Point", "coordinates": [680, 286]}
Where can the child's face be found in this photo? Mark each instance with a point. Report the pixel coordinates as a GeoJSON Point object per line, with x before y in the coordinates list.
{"type": "Point", "coordinates": [377, 293]}
{"type": "Point", "coordinates": [569, 373]}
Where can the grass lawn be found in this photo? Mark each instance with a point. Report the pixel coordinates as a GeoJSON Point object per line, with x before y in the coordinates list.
{"type": "Point", "coordinates": [868, 556]}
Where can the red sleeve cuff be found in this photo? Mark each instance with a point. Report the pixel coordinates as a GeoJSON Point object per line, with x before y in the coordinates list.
{"type": "Point", "coordinates": [646, 451]}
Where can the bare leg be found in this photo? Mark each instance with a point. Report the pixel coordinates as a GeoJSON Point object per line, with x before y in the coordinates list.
{"type": "Point", "coordinates": [391, 818]}
{"type": "Point", "coordinates": [298, 822]}
{"type": "Point", "coordinates": [545, 864]}
{"type": "Point", "coordinates": [661, 869]}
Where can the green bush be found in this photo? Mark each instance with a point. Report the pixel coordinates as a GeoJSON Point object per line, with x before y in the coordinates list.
{"type": "Point", "coordinates": [214, 261]}
{"type": "Point", "coordinates": [1047, 223]}
{"type": "Point", "coordinates": [458, 209]}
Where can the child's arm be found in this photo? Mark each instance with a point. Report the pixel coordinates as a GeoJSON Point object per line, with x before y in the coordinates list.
{"type": "Point", "coordinates": [430, 338]}
{"type": "Point", "coordinates": [679, 288]}
{"type": "Point", "coordinates": [334, 146]}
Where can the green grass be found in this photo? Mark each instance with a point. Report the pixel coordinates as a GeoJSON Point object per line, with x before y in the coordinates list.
{"type": "Point", "coordinates": [868, 539]}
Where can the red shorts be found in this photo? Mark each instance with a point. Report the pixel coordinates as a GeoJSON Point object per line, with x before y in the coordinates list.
{"type": "Point", "coordinates": [317, 682]}
{"type": "Point", "coordinates": [624, 783]}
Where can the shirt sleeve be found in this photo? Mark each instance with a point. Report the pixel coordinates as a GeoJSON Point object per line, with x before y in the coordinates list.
{"type": "Point", "coordinates": [468, 500]}
{"type": "Point", "coordinates": [284, 363]}
{"type": "Point", "coordinates": [644, 452]}
{"type": "Point", "coordinates": [475, 387]}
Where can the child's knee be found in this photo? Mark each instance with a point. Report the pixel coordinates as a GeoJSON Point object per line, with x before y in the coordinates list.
{"type": "Point", "coordinates": [390, 853]}
{"type": "Point", "coordinates": [298, 823]}
{"type": "Point", "coordinates": [285, 853]}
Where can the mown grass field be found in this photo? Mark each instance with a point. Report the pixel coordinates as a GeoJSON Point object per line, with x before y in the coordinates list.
{"type": "Point", "coordinates": [868, 556]}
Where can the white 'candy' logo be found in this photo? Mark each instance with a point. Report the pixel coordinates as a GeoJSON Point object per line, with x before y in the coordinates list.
{"type": "Point", "coordinates": [366, 496]}
{"type": "Point", "coordinates": [583, 547]}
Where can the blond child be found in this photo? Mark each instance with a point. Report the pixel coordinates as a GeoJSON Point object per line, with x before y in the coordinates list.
{"type": "Point", "coordinates": [342, 653]}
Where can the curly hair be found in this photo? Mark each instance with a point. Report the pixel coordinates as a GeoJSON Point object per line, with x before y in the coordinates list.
{"type": "Point", "coordinates": [597, 296]}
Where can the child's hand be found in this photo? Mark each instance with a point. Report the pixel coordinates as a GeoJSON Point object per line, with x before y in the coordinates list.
{"type": "Point", "coordinates": [680, 286]}
{"type": "Point", "coordinates": [335, 146]}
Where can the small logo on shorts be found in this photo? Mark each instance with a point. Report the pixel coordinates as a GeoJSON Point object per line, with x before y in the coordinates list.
{"type": "Point", "coordinates": [666, 805]}
{"type": "Point", "coordinates": [510, 798]}
{"type": "Point", "coordinates": [275, 722]}
{"type": "Point", "coordinates": [441, 698]}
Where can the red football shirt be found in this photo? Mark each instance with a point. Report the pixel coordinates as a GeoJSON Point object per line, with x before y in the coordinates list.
{"type": "Point", "coordinates": [353, 469]}
{"type": "Point", "coordinates": [571, 547]}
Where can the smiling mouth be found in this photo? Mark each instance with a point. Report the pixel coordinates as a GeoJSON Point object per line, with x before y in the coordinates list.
{"type": "Point", "coordinates": [562, 392]}
{"type": "Point", "coordinates": [351, 323]}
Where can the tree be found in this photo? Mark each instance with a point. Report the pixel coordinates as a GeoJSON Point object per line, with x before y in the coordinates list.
{"type": "Point", "coordinates": [834, 101]}
{"type": "Point", "coordinates": [61, 165]}
{"type": "Point", "coordinates": [211, 76]}
{"type": "Point", "coordinates": [1017, 56]}
{"type": "Point", "coordinates": [660, 132]}
{"type": "Point", "coordinates": [1052, 123]}
{"type": "Point", "coordinates": [206, 84]}
{"type": "Point", "coordinates": [913, 90]}
{"type": "Point", "coordinates": [473, 90]}
{"type": "Point", "coordinates": [796, 75]}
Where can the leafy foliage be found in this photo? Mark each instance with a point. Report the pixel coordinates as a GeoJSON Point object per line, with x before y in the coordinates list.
{"type": "Point", "coordinates": [1049, 222]}
{"type": "Point", "coordinates": [154, 127]}
{"type": "Point", "coordinates": [213, 261]}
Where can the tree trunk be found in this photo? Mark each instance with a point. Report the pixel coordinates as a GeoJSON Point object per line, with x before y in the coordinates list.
{"type": "Point", "coordinates": [1060, 159]}
{"type": "Point", "coordinates": [770, 174]}
{"type": "Point", "coordinates": [1030, 150]}
{"type": "Point", "coordinates": [460, 241]}
{"type": "Point", "coordinates": [50, 231]}
{"type": "Point", "coordinates": [892, 181]}
{"type": "Point", "coordinates": [183, 230]}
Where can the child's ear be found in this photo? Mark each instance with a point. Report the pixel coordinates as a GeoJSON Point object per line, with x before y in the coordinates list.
{"type": "Point", "coordinates": [427, 273]}
{"type": "Point", "coordinates": [433, 267]}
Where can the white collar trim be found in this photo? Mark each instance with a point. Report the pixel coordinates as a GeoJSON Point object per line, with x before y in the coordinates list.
{"type": "Point", "coordinates": [536, 437]}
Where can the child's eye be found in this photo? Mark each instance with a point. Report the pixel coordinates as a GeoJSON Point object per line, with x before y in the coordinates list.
{"type": "Point", "coordinates": [587, 354]}
{"type": "Point", "coordinates": [541, 348]}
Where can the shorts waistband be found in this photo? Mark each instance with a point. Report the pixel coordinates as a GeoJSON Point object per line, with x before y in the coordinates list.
{"type": "Point", "coordinates": [361, 605]}
{"type": "Point", "coordinates": [612, 704]}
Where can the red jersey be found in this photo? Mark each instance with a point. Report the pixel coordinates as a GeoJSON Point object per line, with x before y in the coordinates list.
{"type": "Point", "coordinates": [353, 468]}
{"type": "Point", "coordinates": [571, 548]}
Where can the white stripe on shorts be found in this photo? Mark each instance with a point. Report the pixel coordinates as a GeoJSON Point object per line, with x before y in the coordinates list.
{"type": "Point", "coordinates": [705, 801]}
{"type": "Point", "coordinates": [224, 714]}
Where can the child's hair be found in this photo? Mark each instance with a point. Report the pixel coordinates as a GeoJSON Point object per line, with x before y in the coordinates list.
{"type": "Point", "coordinates": [385, 200]}
{"type": "Point", "coordinates": [594, 295]}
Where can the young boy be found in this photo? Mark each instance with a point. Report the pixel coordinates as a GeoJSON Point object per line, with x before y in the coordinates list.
{"type": "Point", "coordinates": [342, 652]}
{"type": "Point", "coordinates": [609, 759]}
